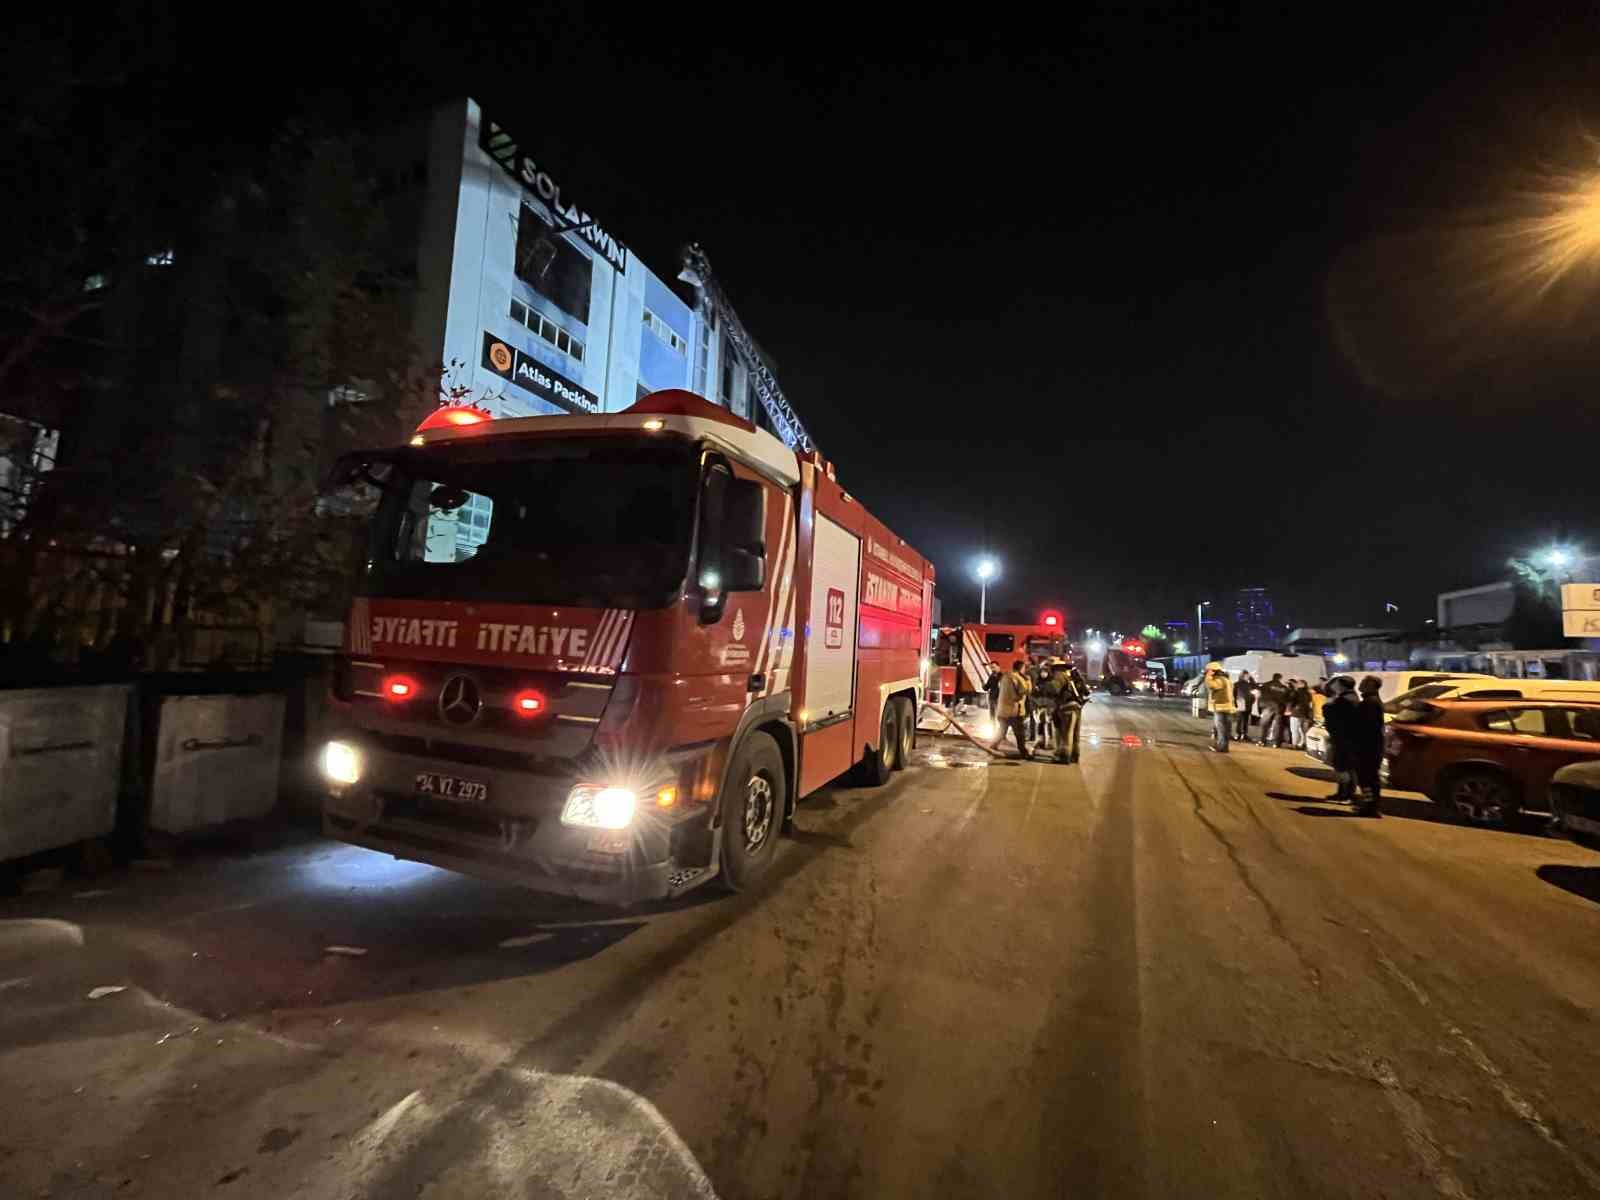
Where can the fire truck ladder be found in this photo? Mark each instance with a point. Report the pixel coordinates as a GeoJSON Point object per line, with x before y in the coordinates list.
{"type": "Point", "coordinates": [697, 272]}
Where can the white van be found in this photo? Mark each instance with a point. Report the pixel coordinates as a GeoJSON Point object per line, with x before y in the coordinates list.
{"type": "Point", "coordinates": [1264, 664]}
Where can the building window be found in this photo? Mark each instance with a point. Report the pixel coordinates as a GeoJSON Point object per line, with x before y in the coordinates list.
{"type": "Point", "coordinates": [553, 266]}
{"type": "Point", "coordinates": [702, 362]}
{"type": "Point", "coordinates": [665, 332]}
{"type": "Point", "coordinates": [725, 375]}
{"type": "Point", "coordinates": [544, 327]}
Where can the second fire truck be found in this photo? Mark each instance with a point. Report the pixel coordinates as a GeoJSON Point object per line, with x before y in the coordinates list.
{"type": "Point", "coordinates": [963, 654]}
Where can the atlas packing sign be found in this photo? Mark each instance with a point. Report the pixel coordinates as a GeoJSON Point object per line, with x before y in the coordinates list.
{"type": "Point", "coordinates": [531, 375]}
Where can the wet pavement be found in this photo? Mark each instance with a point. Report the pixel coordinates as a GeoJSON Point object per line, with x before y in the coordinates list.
{"type": "Point", "coordinates": [1160, 973]}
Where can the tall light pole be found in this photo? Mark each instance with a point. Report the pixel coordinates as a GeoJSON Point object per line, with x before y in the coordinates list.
{"type": "Point", "coordinates": [1200, 623]}
{"type": "Point", "coordinates": [987, 570]}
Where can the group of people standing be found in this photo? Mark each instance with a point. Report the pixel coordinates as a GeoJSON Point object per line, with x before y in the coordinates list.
{"type": "Point", "coordinates": [1049, 696]}
{"type": "Point", "coordinates": [1287, 708]}
{"type": "Point", "coordinates": [1353, 715]}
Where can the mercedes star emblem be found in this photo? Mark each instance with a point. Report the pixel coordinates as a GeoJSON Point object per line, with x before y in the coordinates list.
{"type": "Point", "coordinates": [459, 701]}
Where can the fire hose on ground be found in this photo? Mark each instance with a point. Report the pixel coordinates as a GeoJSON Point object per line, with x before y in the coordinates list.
{"type": "Point", "coordinates": [950, 722]}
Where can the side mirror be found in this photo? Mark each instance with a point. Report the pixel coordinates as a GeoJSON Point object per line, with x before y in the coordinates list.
{"type": "Point", "coordinates": [744, 537]}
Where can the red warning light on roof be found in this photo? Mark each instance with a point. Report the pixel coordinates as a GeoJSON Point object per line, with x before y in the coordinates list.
{"type": "Point", "coordinates": [1133, 646]}
{"type": "Point", "coordinates": [1051, 620]}
{"type": "Point", "coordinates": [453, 416]}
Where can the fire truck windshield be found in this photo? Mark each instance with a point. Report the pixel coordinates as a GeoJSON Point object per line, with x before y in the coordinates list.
{"type": "Point", "coordinates": [569, 521]}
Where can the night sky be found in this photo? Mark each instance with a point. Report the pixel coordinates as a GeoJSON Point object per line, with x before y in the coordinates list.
{"type": "Point", "coordinates": [1153, 305]}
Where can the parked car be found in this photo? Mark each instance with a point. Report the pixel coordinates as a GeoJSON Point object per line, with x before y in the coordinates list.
{"type": "Point", "coordinates": [1318, 746]}
{"type": "Point", "coordinates": [1487, 759]}
{"type": "Point", "coordinates": [1399, 686]}
{"type": "Point", "coordinates": [1396, 683]}
{"type": "Point", "coordinates": [1487, 687]}
{"type": "Point", "coordinates": [1575, 803]}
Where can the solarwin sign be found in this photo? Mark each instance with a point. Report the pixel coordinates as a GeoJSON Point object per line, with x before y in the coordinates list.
{"type": "Point", "coordinates": [531, 375]}
{"type": "Point", "coordinates": [500, 146]}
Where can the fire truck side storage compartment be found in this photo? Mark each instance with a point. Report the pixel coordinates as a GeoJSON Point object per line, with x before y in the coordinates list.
{"type": "Point", "coordinates": [831, 631]}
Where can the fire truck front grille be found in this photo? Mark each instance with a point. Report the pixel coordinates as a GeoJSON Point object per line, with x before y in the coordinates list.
{"type": "Point", "coordinates": [477, 756]}
{"type": "Point", "coordinates": [441, 814]}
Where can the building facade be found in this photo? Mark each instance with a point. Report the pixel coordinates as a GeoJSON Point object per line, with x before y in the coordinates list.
{"type": "Point", "coordinates": [537, 306]}
{"type": "Point", "coordinates": [1255, 622]}
{"type": "Point", "coordinates": [533, 304]}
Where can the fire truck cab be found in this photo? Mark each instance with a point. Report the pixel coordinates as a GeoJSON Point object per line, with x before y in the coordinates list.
{"type": "Point", "coordinates": [605, 655]}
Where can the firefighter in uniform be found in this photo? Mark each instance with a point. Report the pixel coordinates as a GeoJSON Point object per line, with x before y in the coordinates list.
{"type": "Point", "coordinates": [1067, 691]}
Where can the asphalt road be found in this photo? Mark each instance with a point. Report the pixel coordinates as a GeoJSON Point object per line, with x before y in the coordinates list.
{"type": "Point", "coordinates": [1160, 973]}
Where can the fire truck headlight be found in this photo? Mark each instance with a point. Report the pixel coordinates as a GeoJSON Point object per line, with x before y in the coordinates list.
{"type": "Point", "coordinates": [341, 763]}
{"type": "Point", "coordinates": [600, 808]}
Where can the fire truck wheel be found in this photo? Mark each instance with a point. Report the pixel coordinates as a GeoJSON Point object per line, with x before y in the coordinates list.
{"type": "Point", "coordinates": [906, 717]}
{"type": "Point", "coordinates": [878, 763]}
{"type": "Point", "coordinates": [753, 801]}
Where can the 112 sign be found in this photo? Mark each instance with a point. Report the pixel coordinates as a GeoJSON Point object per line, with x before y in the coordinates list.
{"type": "Point", "coordinates": [833, 626]}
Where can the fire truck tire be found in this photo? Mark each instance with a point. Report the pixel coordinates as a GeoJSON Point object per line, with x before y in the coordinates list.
{"type": "Point", "coordinates": [906, 717]}
{"type": "Point", "coordinates": [753, 802]}
{"type": "Point", "coordinates": [879, 762]}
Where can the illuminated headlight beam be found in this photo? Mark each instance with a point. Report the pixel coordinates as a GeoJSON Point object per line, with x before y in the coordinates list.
{"type": "Point", "coordinates": [341, 763]}
{"type": "Point", "coordinates": [600, 807]}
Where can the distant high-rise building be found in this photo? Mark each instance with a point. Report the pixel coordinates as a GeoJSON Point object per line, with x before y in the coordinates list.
{"type": "Point", "coordinates": [1255, 623]}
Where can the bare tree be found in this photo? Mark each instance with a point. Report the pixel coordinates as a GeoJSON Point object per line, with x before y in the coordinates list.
{"type": "Point", "coordinates": [200, 325]}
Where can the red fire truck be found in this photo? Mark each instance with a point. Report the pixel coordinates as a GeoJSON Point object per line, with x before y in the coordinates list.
{"type": "Point", "coordinates": [962, 653]}
{"type": "Point", "coordinates": [1119, 669]}
{"type": "Point", "coordinates": [605, 655]}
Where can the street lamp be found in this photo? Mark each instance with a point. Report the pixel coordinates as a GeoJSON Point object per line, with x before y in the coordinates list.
{"type": "Point", "coordinates": [1200, 623]}
{"type": "Point", "coordinates": [987, 570]}
{"type": "Point", "coordinates": [1558, 558]}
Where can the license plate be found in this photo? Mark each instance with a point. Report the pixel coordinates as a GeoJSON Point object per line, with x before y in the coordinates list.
{"type": "Point", "coordinates": [451, 787]}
